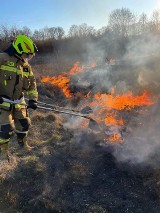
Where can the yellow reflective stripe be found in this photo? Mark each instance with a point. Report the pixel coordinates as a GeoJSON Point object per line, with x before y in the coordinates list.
{"type": "Point", "coordinates": [26, 74]}
{"type": "Point", "coordinates": [22, 132]}
{"type": "Point", "coordinates": [31, 74]}
{"type": "Point", "coordinates": [5, 104]}
{"type": "Point", "coordinates": [11, 69]}
{"type": "Point", "coordinates": [3, 140]}
{"type": "Point", "coordinates": [32, 92]}
{"type": "Point", "coordinates": [5, 83]}
{"type": "Point", "coordinates": [10, 63]}
{"type": "Point", "coordinates": [18, 105]}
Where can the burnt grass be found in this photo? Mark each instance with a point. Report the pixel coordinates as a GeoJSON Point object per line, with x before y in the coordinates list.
{"type": "Point", "coordinates": [64, 175]}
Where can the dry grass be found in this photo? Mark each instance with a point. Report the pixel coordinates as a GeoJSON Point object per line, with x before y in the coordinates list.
{"type": "Point", "coordinates": [7, 169]}
{"type": "Point", "coordinates": [45, 127]}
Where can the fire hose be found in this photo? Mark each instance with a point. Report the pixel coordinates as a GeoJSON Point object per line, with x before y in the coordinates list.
{"type": "Point", "coordinates": [92, 124]}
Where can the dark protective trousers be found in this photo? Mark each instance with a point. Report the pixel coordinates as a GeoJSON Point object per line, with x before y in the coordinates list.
{"type": "Point", "coordinates": [15, 120]}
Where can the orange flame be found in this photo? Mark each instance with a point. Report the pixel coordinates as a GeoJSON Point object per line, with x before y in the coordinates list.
{"type": "Point", "coordinates": [118, 102]}
{"type": "Point", "coordinates": [61, 82]}
{"type": "Point", "coordinates": [76, 68]}
{"type": "Point", "coordinates": [93, 65]}
{"type": "Point", "coordinates": [110, 119]}
{"type": "Point", "coordinates": [105, 106]}
{"type": "Point", "coordinates": [114, 138]}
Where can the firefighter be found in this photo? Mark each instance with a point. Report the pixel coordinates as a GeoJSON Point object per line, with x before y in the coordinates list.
{"type": "Point", "coordinates": [16, 78]}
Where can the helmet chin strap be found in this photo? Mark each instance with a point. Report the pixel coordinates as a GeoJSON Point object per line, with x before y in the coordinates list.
{"type": "Point", "coordinates": [19, 57]}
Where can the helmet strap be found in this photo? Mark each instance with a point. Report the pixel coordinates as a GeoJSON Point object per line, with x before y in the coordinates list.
{"type": "Point", "coordinates": [19, 57]}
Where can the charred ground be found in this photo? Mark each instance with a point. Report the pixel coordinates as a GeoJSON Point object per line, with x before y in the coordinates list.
{"type": "Point", "coordinates": [65, 175]}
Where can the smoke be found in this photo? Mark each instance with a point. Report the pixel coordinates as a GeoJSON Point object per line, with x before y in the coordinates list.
{"type": "Point", "coordinates": [142, 143]}
{"type": "Point", "coordinates": [141, 140]}
{"type": "Point", "coordinates": [136, 71]}
{"type": "Point", "coordinates": [137, 67]}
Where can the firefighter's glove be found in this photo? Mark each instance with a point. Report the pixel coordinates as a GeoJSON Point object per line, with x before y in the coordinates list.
{"type": "Point", "coordinates": [32, 104]}
{"type": "Point", "coordinates": [1, 100]}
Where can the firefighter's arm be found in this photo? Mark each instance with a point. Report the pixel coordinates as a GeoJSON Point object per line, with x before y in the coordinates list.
{"type": "Point", "coordinates": [32, 90]}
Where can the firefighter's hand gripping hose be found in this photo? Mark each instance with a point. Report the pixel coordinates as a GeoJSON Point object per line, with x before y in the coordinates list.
{"type": "Point", "coordinates": [32, 104]}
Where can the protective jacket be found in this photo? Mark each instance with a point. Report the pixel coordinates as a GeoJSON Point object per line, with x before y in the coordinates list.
{"type": "Point", "coordinates": [16, 77]}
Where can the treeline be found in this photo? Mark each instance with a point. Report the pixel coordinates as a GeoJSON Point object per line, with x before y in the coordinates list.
{"type": "Point", "coordinates": [122, 26]}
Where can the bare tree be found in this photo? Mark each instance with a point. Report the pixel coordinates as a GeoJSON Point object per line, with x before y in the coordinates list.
{"type": "Point", "coordinates": [73, 31]}
{"type": "Point", "coordinates": [155, 21]}
{"type": "Point", "coordinates": [101, 31]}
{"type": "Point", "coordinates": [52, 31]}
{"type": "Point", "coordinates": [49, 33]}
{"type": "Point", "coordinates": [56, 32]}
{"type": "Point", "coordinates": [82, 30]}
{"type": "Point", "coordinates": [36, 35]}
{"type": "Point", "coordinates": [121, 22]}
{"type": "Point", "coordinates": [5, 33]}
{"type": "Point", "coordinates": [59, 33]}
{"type": "Point", "coordinates": [143, 25]}
{"type": "Point", "coordinates": [43, 33]}
{"type": "Point", "coordinates": [26, 31]}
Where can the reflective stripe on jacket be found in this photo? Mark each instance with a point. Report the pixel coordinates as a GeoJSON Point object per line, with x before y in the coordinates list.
{"type": "Point", "coordinates": [16, 77]}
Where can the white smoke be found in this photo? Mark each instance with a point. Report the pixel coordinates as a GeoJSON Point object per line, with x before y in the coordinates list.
{"type": "Point", "coordinates": [137, 71]}
{"type": "Point", "coordinates": [141, 142]}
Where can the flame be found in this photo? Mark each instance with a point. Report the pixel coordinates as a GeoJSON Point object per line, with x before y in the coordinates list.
{"type": "Point", "coordinates": [111, 120]}
{"type": "Point", "coordinates": [114, 138]}
{"type": "Point", "coordinates": [125, 101]}
{"type": "Point", "coordinates": [76, 68]}
{"type": "Point", "coordinates": [106, 107]}
{"type": "Point", "coordinates": [61, 82]}
{"type": "Point", "coordinates": [93, 65]}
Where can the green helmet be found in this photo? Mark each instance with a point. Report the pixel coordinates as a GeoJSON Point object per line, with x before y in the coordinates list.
{"type": "Point", "coordinates": [23, 44]}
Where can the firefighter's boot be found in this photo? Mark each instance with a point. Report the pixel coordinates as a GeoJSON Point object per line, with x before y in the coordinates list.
{"type": "Point", "coordinates": [4, 155]}
{"type": "Point", "coordinates": [23, 144]}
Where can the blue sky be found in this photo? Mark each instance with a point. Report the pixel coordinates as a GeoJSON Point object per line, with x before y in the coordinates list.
{"type": "Point", "coordinates": [37, 14]}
